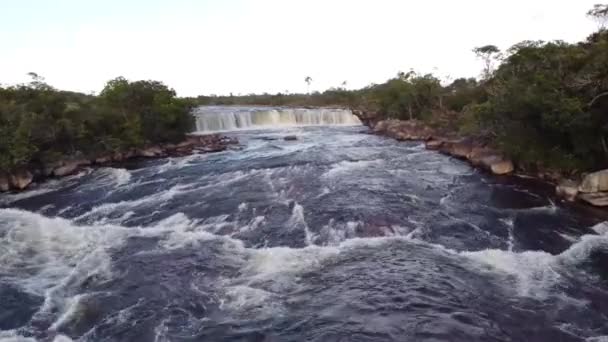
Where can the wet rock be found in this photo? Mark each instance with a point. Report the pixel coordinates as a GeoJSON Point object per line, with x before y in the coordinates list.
{"type": "Point", "coordinates": [598, 199]}
{"type": "Point", "coordinates": [461, 149]}
{"type": "Point", "coordinates": [290, 138]}
{"type": "Point", "coordinates": [503, 167]}
{"type": "Point", "coordinates": [130, 154]}
{"type": "Point", "coordinates": [403, 130]}
{"type": "Point", "coordinates": [70, 167]}
{"type": "Point", "coordinates": [4, 183]}
{"type": "Point", "coordinates": [567, 189]}
{"type": "Point", "coordinates": [48, 168]}
{"type": "Point", "coordinates": [213, 148]}
{"type": "Point", "coordinates": [118, 157]}
{"type": "Point", "coordinates": [103, 160]}
{"type": "Point", "coordinates": [367, 117]}
{"type": "Point", "coordinates": [150, 152]}
{"type": "Point", "coordinates": [170, 147]}
{"type": "Point", "coordinates": [479, 153]}
{"type": "Point", "coordinates": [433, 144]}
{"type": "Point", "coordinates": [185, 144]}
{"type": "Point", "coordinates": [20, 179]}
{"type": "Point", "coordinates": [595, 182]}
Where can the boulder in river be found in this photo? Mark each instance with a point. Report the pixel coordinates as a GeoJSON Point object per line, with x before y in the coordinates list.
{"type": "Point", "coordinates": [290, 138]}
{"type": "Point", "coordinates": [567, 189]}
{"type": "Point", "coordinates": [20, 179]}
{"type": "Point", "coordinates": [598, 199]}
{"type": "Point", "coordinates": [433, 144]}
{"type": "Point", "coordinates": [595, 182]}
{"type": "Point", "coordinates": [69, 167]}
{"type": "Point", "coordinates": [503, 167]}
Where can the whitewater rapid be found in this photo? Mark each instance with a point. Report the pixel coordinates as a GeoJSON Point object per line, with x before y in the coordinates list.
{"type": "Point", "coordinates": [336, 236]}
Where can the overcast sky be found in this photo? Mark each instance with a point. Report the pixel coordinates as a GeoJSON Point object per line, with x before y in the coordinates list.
{"type": "Point", "coordinates": [243, 46]}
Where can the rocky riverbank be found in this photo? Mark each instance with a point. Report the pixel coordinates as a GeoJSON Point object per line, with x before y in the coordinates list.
{"type": "Point", "coordinates": [21, 179]}
{"type": "Point", "coordinates": [591, 188]}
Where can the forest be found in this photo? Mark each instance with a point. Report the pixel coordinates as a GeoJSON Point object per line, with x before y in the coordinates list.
{"type": "Point", "coordinates": [40, 124]}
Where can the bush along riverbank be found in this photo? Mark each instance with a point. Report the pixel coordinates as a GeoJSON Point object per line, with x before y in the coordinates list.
{"type": "Point", "coordinates": [47, 132]}
{"type": "Point", "coordinates": [590, 188]}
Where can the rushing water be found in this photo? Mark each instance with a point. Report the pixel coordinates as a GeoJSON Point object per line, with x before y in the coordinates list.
{"type": "Point", "coordinates": [218, 119]}
{"type": "Point", "coordinates": [339, 236]}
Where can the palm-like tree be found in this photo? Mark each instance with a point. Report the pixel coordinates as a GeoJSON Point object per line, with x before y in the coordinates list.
{"type": "Point", "coordinates": [308, 81]}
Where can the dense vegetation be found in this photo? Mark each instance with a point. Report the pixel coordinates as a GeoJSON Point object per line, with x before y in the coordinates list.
{"type": "Point", "coordinates": [40, 124]}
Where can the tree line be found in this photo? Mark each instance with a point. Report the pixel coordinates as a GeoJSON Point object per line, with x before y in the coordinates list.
{"type": "Point", "coordinates": [40, 124]}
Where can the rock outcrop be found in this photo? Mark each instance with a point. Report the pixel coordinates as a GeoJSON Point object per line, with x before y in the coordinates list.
{"type": "Point", "coordinates": [463, 148]}
{"type": "Point", "coordinates": [367, 117]}
{"type": "Point", "coordinates": [70, 167]}
{"type": "Point", "coordinates": [595, 182]}
{"type": "Point", "coordinates": [22, 178]}
{"type": "Point", "coordinates": [598, 199]}
{"type": "Point", "coordinates": [567, 189]}
{"type": "Point", "coordinates": [592, 189]}
{"type": "Point", "coordinates": [150, 152]}
{"type": "Point", "coordinates": [503, 167]}
{"type": "Point", "coordinates": [403, 130]}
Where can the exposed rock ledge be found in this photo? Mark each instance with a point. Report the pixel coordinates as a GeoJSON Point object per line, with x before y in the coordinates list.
{"type": "Point", "coordinates": [591, 189]}
{"type": "Point", "coordinates": [20, 179]}
{"type": "Point", "coordinates": [469, 149]}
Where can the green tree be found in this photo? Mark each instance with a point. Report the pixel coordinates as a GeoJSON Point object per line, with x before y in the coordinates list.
{"type": "Point", "coordinates": [488, 54]}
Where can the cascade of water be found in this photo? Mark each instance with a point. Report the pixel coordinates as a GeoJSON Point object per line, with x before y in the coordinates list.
{"type": "Point", "coordinates": [213, 119]}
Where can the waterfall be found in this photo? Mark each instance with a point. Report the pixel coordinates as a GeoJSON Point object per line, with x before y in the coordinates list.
{"type": "Point", "coordinates": [215, 118]}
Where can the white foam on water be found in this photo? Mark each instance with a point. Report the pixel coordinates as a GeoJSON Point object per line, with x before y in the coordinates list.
{"type": "Point", "coordinates": [597, 339]}
{"type": "Point", "coordinates": [601, 228]}
{"type": "Point", "coordinates": [254, 224]}
{"type": "Point", "coordinates": [51, 258]}
{"type": "Point", "coordinates": [298, 221]}
{"type": "Point", "coordinates": [334, 233]}
{"type": "Point", "coordinates": [453, 169]}
{"type": "Point", "coordinates": [245, 299]}
{"type": "Point", "coordinates": [161, 197]}
{"type": "Point", "coordinates": [117, 176]}
{"type": "Point", "coordinates": [181, 162]}
{"type": "Point", "coordinates": [73, 308]}
{"type": "Point", "coordinates": [324, 191]}
{"type": "Point", "coordinates": [13, 336]}
{"type": "Point", "coordinates": [345, 167]}
{"type": "Point", "coordinates": [41, 189]}
{"type": "Point", "coordinates": [534, 271]}
{"type": "Point", "coordinates": [510, 223]}
{"type": "Point", "coordinates": [537, 272]}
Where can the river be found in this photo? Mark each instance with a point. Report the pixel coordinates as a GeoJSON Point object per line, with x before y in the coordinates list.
{"type": "Point", "coordinates": [337, 236]}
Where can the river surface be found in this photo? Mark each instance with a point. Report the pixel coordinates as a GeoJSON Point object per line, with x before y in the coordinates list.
{"type": "Point", "coordinates": [338, 236]}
